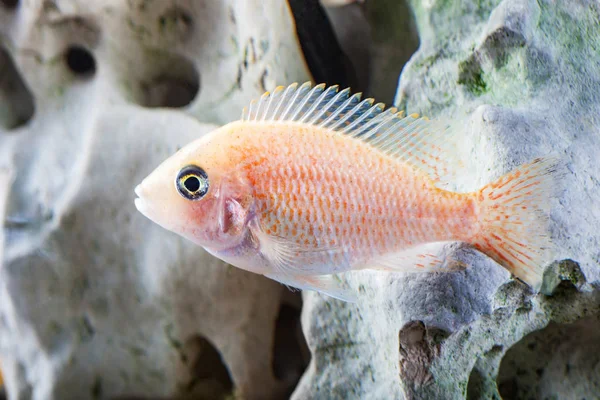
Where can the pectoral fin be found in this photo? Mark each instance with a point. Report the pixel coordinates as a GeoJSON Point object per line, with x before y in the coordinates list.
{"type": "Point", "coordinates": [326, 284]}
{"type": "Point", "coordinates": [287, 258]}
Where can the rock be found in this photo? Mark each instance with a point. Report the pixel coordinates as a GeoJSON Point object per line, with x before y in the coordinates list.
{"type": "Point", "coordinates": [560, 360]}
{"type": "Point", "coordinates": [96, 301]}
{"type": "Point", "coordinates": [5, 181]}
{"type": "Point", "coordinates": [6, 177]}
{"type": "Point", "coordinates": [16, 102]}
{"type": "Point", "coordinates": [116, 304]}
{"type": "Point", "coordinates": [522, 77]}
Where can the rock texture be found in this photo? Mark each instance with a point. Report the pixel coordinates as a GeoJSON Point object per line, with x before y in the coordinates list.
{"type": "Point", "coordinates": [98, 302]}
{"type": "Point", "coordinates": [522, 77]}
{"type": "Point", "coordinates": [95, 300]}
{"type": "Point", "coordinates": [5, 181]}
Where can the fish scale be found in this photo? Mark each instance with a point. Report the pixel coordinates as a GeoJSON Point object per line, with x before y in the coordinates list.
{"type": "Point", "coordinates": [342, 179]}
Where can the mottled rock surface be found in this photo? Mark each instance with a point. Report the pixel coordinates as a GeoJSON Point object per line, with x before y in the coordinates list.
{"type": "Point", "coordinates": [5, 181]}
{"type": "Point", "coordinates": [523, 78]}
{"type": "Point", "coordinates": [98, 302]}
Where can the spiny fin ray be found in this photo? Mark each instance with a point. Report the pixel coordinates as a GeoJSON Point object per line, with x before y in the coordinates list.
{"type": "Point", "coordinates": [428, 146]}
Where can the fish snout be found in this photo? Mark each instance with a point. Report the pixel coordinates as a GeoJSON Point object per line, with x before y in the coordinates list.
{"type": "Point", "coordinates": [139, 202]}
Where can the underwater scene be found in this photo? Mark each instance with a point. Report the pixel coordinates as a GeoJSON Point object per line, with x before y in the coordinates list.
{"type": "Point", "coordinates": [299, 199]}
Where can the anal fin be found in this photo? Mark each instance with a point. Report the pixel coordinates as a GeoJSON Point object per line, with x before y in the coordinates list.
{"type": "Point", "coordinates": [423, 258]}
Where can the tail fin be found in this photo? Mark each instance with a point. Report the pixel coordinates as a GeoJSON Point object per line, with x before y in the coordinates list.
{"type": "Point", "coordinates": [514, 212]}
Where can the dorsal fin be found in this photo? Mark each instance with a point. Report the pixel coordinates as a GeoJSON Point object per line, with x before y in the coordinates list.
{"type": "Point", "coordinates": [430, 146]}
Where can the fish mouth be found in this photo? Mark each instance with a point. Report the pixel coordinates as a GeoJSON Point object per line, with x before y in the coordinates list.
{"type": "Point", "coordinates": [147, 210]}
{"type": "Point", "coordinates": [139, 202]}
{"type": "Point", "coordinates": [138, 192]}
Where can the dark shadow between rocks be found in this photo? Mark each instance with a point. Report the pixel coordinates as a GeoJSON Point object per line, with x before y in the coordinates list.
{"type": "Point", "coordinates": [205, 375]}
{"type": "Point", "coordinates": [482, 380]}
{"type": "Point", "coordinates": [353, 34]}
{"type": "Point", "coordinates": [559, 361]}
{"type": "Point", "coordinates": [474, 387]}
{"type": "Point", "coordinates": [325, 59]}
{"type": "Point", "coordinates": [16, 101]}
{"type": "Point", "coordinates": [10, 4]}
{"type": "Point", "coordinates": [290, 351]}
{"type": "Point", "coordinates": [395, 40]}
{"type": "Point", "coordinates": [206, 371]}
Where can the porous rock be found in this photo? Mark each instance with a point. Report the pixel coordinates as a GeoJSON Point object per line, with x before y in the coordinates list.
{"type": "Point", "coordinates": [96, 301]}
{"type": "Point", "coordinates": [522, 77]}
{"type": "Point", "coordinates": [5, 181]}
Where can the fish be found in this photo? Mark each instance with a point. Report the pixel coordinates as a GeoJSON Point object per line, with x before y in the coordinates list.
{"type": "Point", "coordinates": [313, 181]}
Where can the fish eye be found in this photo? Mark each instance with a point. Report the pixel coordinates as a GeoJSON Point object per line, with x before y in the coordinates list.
{"type": "Point", "coordinates": [192, 182]}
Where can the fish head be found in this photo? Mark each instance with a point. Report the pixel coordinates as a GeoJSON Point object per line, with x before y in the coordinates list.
{"type": "Point", "coordinates": [199, 194]}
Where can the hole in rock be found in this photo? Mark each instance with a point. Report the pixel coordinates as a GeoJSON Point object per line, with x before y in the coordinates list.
{"type": "Point", "coordinates": [353, 34]}
{"type": "Point", "coordinates": [10, 3]}
{"type": "Point", "coordinates": [290, 351]}
{"type": "Point", "coordinates": [206, 372]}
{"type": "Point", "coordinates": [418, 346]}
{"type": "Point", "coordinates": [474, 386]}
{"type": "Point", "coordinates": [80, 61]}
{"type": "Point", "coordinates": [559, 361]}
{"type": "Point", "coordinates": [172, 82]}
{"type": "Point", "coordinates": [395, 40]}
{"type": "Point", "coordinates": [481, 385]}
{"type": "Point", "coordinates": [16, 101]}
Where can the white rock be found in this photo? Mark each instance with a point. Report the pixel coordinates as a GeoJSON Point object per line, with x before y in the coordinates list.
{"type": "Point", "coordinates": [96, 301]}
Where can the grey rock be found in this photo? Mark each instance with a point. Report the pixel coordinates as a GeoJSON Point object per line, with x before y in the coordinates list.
{"type": "Point", "coordinates": [522, 79]}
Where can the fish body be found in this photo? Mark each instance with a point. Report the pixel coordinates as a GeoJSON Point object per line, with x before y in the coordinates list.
{"type": "Point", "coordinates": [312, 182]}
{"type": "Point", "coordinates": [318, 190]}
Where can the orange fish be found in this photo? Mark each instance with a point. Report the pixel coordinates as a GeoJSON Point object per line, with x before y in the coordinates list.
{"type": "Point", "coordinates": [312, 182]}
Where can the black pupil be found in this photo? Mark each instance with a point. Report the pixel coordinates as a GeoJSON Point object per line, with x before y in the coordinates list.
{"type": "Point", "coordinates": [192, 184]}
